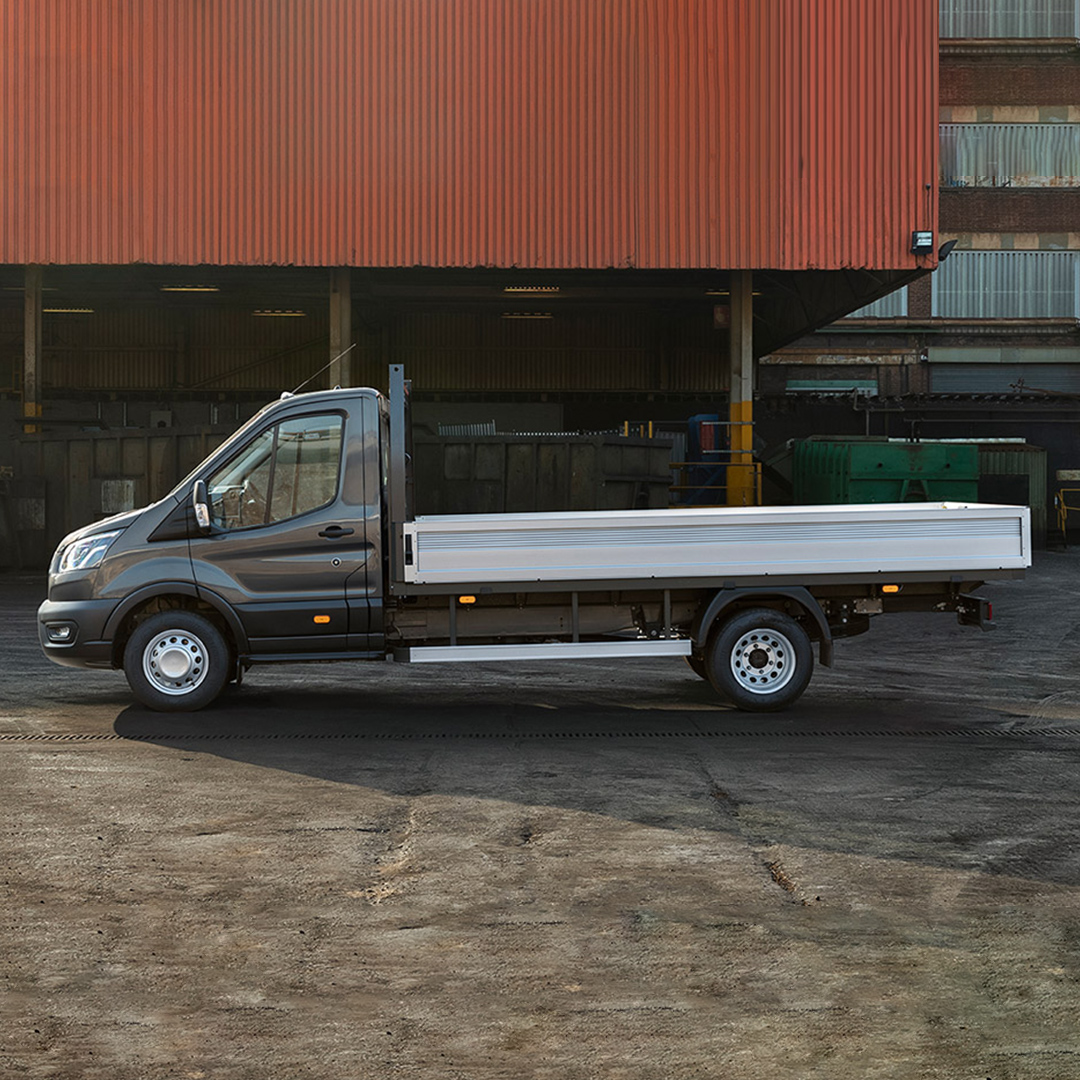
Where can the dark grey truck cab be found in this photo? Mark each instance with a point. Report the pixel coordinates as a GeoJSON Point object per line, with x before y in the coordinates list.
{"type": "Point", "coordinates": [289, 565]}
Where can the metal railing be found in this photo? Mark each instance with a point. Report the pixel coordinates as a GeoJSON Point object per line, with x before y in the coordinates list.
{"type": "Point", "coordinates": [704, 483]}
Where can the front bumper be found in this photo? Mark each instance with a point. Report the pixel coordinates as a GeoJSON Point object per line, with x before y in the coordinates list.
{"type": "Point", "coordinates": [85, 645]}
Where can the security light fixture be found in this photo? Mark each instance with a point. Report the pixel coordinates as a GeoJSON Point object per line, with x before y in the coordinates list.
{"type": "Point", "coordinates": [190, 288]}
{"type": "Point", "coordinates": [531, 290]}
{"type": "Point", "coordinates": [281, 314]}
{"type": "Point", "coordinates": [922, 242]}
{"type": "Point", "coordinates": [67, 311]}
{"type": "Point", "coordinates": [527, 315]}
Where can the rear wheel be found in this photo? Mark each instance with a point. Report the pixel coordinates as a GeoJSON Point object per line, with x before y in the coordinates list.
{"type": "Point", "coordinates": [761, 660]}
{"type": "Point", "coordinates": [176, 661]}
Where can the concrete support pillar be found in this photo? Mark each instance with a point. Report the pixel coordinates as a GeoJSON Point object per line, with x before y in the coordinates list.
{"type": "Point", "coordinates": [341, 371]}
{"type": "Point", "coordinates": [741, 475]}
{"type": "Point", "coordinates": [31, 380]}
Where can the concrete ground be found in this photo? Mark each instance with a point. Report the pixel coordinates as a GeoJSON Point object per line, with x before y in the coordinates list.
{"type": "Point", "coordinates": [584, 871]}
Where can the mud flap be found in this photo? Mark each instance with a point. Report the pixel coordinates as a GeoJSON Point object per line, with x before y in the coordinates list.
{"type": "Point", "coordinates": [975, 611]}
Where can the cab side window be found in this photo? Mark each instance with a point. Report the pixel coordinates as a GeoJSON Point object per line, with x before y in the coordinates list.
{"type": "Point", "coordinates": [288, 470]}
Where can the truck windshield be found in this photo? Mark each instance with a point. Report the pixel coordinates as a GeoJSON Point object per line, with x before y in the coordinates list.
{"type": "Point", "coordinates": [239, 436]}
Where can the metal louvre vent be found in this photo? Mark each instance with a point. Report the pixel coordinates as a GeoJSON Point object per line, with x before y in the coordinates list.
{"type": "Point", "coordinates": [795, 532]}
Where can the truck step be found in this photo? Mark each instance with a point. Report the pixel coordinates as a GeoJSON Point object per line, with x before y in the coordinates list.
{"type": "Point", "coordinates": [552, 650]}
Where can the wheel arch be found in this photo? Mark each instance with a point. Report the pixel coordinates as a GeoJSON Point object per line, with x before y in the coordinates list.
{"type": "Point", "coordinates": [725, 599]}
{"type": "Point", "coordinates": [171, 594]}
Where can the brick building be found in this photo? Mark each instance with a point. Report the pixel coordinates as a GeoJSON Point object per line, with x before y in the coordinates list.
{"type": "Point", "coordinates": [988, 346]}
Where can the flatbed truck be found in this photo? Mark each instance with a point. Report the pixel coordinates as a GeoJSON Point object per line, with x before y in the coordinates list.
{"type": "Point", "coordinates": [296, 540]}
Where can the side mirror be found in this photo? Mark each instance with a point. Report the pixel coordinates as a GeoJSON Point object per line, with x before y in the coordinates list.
{"type": "Point", "coordinates": [201, 505]}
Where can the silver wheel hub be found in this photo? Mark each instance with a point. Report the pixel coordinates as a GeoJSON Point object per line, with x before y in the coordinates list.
{"type": "Point", "coordinates": [762, 660]}
{"type": "Point", "coordinates": [174, 662]}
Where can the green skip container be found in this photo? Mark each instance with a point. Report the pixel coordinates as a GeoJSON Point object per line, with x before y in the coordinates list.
{"type": "Point", "coordinates": [869, 470]}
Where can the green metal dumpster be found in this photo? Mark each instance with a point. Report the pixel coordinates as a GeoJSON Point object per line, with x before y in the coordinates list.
{"type": "Point", "coordinates": [869, 470]}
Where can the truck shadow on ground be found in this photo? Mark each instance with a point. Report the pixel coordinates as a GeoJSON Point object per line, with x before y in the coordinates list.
{"type": "Point", "coordinates": [841, 773]}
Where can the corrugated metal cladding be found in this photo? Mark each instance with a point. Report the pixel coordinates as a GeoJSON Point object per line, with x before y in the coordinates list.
{"type": "Point", "coordinates": [462, 133]}
{"type": "Point", "coordinates": [1003, 378]}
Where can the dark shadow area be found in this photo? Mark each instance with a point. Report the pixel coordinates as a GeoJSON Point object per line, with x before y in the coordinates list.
{"type": "Point", "coordinates": [943, 786]}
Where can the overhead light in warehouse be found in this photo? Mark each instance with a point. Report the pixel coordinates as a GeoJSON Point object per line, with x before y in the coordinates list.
{"type": "Point", "coordinates": [190, 288]}
{"type": "Point", "coordinates": [527, 315]}
{"type": "Point", "coordinates": [67, 311]}
{"type": "Point", "coordinates": [281, 314]}
{"type": "Point", "coordinates": [527, 290]}
{"type": "Point", "coordinates": [717, 292]}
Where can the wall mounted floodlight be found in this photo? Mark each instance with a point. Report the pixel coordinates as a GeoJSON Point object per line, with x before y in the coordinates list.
{"type": "Point", "coordinates": [945, 250]}
{"type": "Point", "coordinates": [922, 242]}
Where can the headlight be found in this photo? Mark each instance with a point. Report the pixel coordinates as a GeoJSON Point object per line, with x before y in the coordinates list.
{"type": "Point", "coordinates": [86, 553]}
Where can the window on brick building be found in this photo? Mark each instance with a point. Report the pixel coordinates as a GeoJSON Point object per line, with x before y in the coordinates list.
{"type": "Point", "coordinates": [1010, 155]}
{"type": "Point", "coordinates": [1007, 285]}
{"type": "Point", "coordinates": [1009, 19]}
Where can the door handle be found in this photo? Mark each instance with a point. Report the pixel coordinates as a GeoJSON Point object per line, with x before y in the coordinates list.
{"type": "Point", "coordinates": [335, 532]}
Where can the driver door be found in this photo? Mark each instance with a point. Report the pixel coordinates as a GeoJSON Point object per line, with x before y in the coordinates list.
{"type": "Point", "coordinates": [281, 545]}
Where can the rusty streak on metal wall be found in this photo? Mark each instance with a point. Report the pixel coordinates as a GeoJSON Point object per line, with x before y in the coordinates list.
{"type": "Point", "coordinates": [464, 133]}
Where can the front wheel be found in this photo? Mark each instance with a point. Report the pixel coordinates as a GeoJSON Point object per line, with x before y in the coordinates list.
{"type": "Point", "coordinates": [176, 661]}
{"type": "Point", "coordinates": [760, 660]}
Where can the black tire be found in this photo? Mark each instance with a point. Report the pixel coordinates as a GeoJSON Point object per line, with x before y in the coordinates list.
{"type": "Point", "coordinates": [698, 665]}
{"type": "Point", "coordinates": [176, 661]}
{"type": "Point", "coordinates": [760, 660]}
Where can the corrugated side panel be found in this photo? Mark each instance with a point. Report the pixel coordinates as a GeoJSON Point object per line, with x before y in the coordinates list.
{"type": "Point", "coordinates": [463, 133]}
{"type": "Point", "coordinates": [1007, 285]}
{"type": "Point", "coordinates": [1010, 155]}
{"type": "Point", "coordinates": [1010, 19]}
{"type": "Point", "coordinates": [1003, 378]}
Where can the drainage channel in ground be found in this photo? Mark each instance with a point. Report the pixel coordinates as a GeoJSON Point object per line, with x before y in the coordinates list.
{"type": "Point", "coordinates": [504, 736]}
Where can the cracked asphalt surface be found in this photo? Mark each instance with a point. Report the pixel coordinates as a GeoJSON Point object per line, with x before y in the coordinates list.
{"type": "Point", "coordinates": [555, 871]}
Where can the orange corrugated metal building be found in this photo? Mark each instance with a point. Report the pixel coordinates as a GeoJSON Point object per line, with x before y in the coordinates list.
{"type": "Point", "coordinates": [646, 134]}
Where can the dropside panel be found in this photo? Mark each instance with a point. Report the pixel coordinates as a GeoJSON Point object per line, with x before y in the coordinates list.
{"type": "Point", "coordinates": [794, 542]}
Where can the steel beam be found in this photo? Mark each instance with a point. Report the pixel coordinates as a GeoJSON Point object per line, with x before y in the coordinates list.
{"type": "Point", "coordinates": [31, 380]}
{"type": "Point", "coordinates": [342, 368]}
{"type": "Point", "coordinates": [741, 479]}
